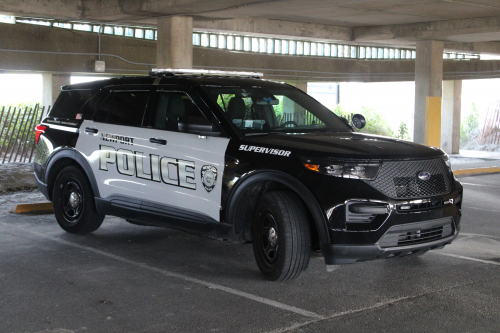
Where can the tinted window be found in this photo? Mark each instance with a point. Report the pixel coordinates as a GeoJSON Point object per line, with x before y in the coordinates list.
{"type": "Point", "coordinates": [68, 103]}
{"type": "Point", "coordinates": [176, 111]}
{"type": "Point", "coordinates": [275, 109]}
{"type": "Point", "coordinates": [123, 108]}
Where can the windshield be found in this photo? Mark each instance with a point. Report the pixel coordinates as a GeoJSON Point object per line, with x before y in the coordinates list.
{"type": "Point", "coordinates": [255, 110]}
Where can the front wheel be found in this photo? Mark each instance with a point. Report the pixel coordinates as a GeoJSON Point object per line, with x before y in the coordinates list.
{"type": "Point", "coordinates": [73, 202]}
{"type": "Point", "coordinates": [281, 236]}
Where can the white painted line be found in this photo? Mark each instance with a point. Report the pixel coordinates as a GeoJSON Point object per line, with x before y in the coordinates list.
{"type": "Point", "coordinates": [487, 210]}
{"type": "Point", "coordinates": [252, 297]}
{"type": "Point", "coordinates": [490, 262]}
{"type": "Point", "coordinates": [372, 307]}
{"type": "Point", "coordinates": [466, 237]}
{"type": "Point", "coordinates": [478, 185]}
{"type": "Point", "coordinates": [478, 235]}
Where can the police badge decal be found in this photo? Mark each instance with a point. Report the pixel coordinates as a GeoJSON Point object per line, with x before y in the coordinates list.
{"type": "Point", "coordinates": [208, 177]}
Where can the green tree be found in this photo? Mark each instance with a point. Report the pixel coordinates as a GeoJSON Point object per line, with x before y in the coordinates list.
{"type": "Point", "coordinates": [341, 112]}
{"type": "Point", "coordinates": [9, 125]}
{"type": "Point", "coordinates": [403, 133]}
{"type": "Point", "coordinates": [375, 123]}
{"type": "Point", "coordinates": [470, 126]}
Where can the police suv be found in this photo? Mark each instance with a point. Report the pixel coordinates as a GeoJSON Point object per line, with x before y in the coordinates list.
{"type": "Point", "coordinates": [231, 156]}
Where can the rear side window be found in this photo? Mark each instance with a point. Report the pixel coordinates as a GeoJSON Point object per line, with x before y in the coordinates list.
{"type": "Point", "coordinates": [123, 108]}
{"type": "Point", "coordinates": [68, 103]}
{"type": "Point", "coordinates": [176, 111]}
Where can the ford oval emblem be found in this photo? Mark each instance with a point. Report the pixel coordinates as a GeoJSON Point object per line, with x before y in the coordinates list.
{"type": "Point", "coordinates": [424, 175]}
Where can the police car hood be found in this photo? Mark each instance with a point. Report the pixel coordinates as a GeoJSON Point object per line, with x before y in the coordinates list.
{"type": "Point", "coordinates": [346, 145]}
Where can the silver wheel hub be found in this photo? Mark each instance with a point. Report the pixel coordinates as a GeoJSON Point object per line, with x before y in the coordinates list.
{"type": "Point", "coordinates": [74, 199]}
{"type": "Point", "coordinates": [272, 237]}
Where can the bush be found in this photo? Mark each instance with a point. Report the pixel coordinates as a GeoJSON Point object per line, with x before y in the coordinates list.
{"type": "Point", "coordinates": [403, 133]}
{"type": "Point", "coordinates": [10, 126]}
{"type": "Point", "coordinates": [341, 112]}
{"type": "Point", "coordinates": [470, 127]}
{"type": "Point", "coordinates": [375, 121]}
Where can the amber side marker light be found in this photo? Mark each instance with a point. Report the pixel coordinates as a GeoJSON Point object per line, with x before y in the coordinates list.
{"type": "Point", "coordinates": [313, 167]}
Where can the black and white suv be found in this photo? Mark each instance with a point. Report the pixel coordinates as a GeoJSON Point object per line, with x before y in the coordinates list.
{"type": "Point", "coordinates": [236, 157]}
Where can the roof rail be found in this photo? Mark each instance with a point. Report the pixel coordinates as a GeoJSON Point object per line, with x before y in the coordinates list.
{"type": "Point", "coordinates": [201, 72]}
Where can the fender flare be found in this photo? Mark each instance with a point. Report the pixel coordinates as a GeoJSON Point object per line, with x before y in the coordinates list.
{"type": "Point", "coordinates": [76, 156]}
{"type": "Point", "coordinates": [294, 184]}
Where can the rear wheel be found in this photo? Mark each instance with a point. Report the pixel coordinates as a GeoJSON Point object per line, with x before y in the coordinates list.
{"type": "Point", "coordinates": [281, 236]}
{"type": "Point", "coordinates": [74, 204]}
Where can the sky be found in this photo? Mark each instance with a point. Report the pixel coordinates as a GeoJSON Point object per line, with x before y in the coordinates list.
{"type": "Point", "coordinates": [395, 100]}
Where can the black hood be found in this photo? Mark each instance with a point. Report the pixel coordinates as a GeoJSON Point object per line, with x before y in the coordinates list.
{"type": "Point", "coordinates": [346, 145]}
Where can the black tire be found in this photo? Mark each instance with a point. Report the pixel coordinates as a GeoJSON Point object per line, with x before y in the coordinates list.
{"type": "Point", "coordinates": [281, 236]}
{"type": "Point", "coordinates": [74, 203]}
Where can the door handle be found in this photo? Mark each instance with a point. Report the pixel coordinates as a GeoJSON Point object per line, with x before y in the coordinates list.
{"type": "Point", "coordinates": [91, 130]}
{"type": "Point", "coordinates": [158, 141]}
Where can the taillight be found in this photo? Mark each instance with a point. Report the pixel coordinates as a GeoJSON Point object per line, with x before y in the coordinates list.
{"type": "Point", "coordinates": [39, 129]}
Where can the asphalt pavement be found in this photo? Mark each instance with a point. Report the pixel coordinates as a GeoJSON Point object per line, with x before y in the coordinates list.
{"type": "Point", "coordinates": [127, 278]}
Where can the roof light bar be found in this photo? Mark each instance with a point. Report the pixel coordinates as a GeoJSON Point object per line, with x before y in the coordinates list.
{"type": "Point", "coordinates": [204, 72]}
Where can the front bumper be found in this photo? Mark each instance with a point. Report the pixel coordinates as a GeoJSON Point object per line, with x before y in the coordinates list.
{"type": "Point", "coordinates": [357, 236]}
{"type": "Point", "coordinates": [389, 245]}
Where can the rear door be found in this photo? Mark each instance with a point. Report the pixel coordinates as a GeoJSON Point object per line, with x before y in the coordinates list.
{"type": "Point", "coordinates": [111, 143]}
{"type": "Point", "coordinates": [186, 167]}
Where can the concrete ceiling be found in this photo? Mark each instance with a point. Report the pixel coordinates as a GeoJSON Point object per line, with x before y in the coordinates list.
{"type": "Point", "coordinates": [388, 22]}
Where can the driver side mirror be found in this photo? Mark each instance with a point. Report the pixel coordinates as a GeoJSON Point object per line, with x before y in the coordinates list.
{"type": "Point", "coordinates": [358, 121]}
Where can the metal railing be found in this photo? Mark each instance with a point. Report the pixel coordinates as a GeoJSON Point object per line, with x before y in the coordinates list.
{"type": "Point", "coordinates": [17, 133]}
{"type": "Point", "coordinates": [490, 133]}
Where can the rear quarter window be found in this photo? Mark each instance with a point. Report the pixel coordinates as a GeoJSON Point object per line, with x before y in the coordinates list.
{"type": "Point", "coordinates": [69, 102]}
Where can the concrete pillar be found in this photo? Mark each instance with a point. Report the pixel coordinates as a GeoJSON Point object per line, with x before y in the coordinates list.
{"type": "Point", "coordinates": [292, 111]}
{"type": "Point", "coordinates": [428, 92]}
{"type": "Point", "coordinates": [300, 112]}
{"type": "Point", "coordinates": [450, 113]}
{"type": "Point", "coordinates": [51, 88]}
{"type": "Point", "coordinates": [175, 42]}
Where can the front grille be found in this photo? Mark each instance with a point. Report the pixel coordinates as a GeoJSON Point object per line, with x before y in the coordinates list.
{"type": "Point", "coordinates": [416, 206]}
{"type": "Point", "coordinates": [417, 233]}
{"type": "Point", "coordinates": [400, 179]}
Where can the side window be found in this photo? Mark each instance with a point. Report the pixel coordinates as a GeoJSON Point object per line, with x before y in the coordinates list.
{"type": "Point", "coordinates": [289, 112]}
{"type": "Point", "coordinates": [69, 102]}
{"type": "Point", "coordinates": [123, 108]}
{"type": "Point", "coordinates": [176, 111]}
{"type": "Point", "coordinates": [228, 102]}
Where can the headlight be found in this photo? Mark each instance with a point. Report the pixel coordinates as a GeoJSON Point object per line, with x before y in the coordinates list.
{"type": "Point", "coordinates": [343, 168]}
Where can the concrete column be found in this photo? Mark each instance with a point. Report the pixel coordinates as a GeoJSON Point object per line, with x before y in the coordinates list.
{"type": "Point", "coordinates": [292, 111]}
{"type": "Point", "coordinates": [450, 113]}
{"type": "Point", "coordinates": [428, 92]}
{"type": "Point", "coordinates": [300, 112]}
{"type": "Point", "coordinates": [51, 88]}
{"type": "Point", "coordinates": [175, 42]}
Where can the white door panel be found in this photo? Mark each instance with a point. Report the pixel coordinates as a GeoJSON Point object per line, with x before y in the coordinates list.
{"type": "Point", "coordinates": [112, 157]}
{"type": "Point", "coordinates": [177, 167]}
{"type": "Point", "coordinates": [126, 163]}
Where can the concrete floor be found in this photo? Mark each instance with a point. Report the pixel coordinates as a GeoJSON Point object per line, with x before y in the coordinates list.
{"type": "Point", "coordinates": [126, 278]}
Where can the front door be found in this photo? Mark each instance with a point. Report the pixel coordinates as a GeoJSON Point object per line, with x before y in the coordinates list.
{"type": "Point", "coordinates": [183, 170]}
